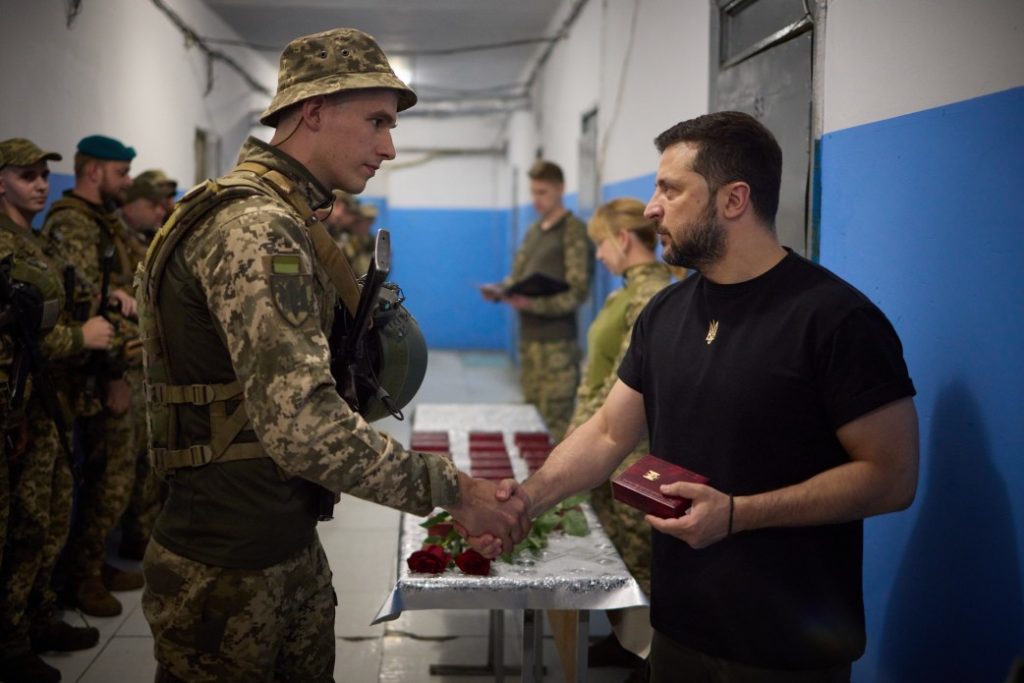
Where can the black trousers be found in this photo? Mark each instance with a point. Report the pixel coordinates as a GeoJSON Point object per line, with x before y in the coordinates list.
{"type": "Point", "coordinates": [670, 662]}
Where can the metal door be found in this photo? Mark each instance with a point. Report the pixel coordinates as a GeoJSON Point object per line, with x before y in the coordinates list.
{"type": "Point", "coordinates": [764, 68]}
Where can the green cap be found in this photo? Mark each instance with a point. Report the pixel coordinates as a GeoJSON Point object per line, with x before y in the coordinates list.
{"type": "Point", "coordinates": [143, 189]}
{"type": "Point", "coordinates": [330, 62]}
{"type": "Point", "coordinates": [23, 152]}
{"type": "Point", "coordinates": [106, 149]}
{"type": "Point", "coordinates": [156, 177]}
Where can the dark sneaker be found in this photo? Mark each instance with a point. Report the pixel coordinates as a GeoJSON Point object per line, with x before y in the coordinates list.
{"type": "Point", "coordinates": [93, 598]}
{"type": "Point", "coordinates": [59, 636]}
{"type": "Point", "coordinates": [27, 668]}
{"type": "Point", "coordinates": [608, 652]}
{"type": "Point", "coordinates": [119, 580]}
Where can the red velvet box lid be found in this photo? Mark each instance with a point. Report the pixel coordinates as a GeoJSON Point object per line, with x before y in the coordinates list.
{"type": "Point", "coordinates": [532, 438]}
{"type": "Point", "coordinates": [640, 484]}
{"type": "Point", "coordinates": [490, 437]}
{"type": "Point", "coordinates": [491, 472]}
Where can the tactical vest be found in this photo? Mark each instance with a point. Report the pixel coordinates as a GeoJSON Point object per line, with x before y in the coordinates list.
{"type": "Point", "coordinates": [224, 402]}
{"type": "Point", "coordinates": [110, 234]}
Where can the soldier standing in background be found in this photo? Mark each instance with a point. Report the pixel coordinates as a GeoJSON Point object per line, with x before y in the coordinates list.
{"type": "Point", "coordinates": [556, 246]}
{"type": "Point", "coordinates": [143, 213]}
{"type": "Point", "coordinates": [358, 248]}
{"type": "Point", "coordinates": [83, 226]}
{"type": "Point", "coordinates": [40, 471]}
{"type": "Point", "coordinates": [342, 217]}
{"type": "Point", "coordinates": [236, 306]}
{"type": "Point", "coordinates": [167, 186]}
{"type": "Point", "coordinates": [626, 243]}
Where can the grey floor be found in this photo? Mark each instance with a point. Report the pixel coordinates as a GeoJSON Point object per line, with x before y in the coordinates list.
{"type": "Point", "coordinates": [399, 651]}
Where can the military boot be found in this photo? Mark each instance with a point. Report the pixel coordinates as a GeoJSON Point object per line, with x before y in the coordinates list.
{"type": "Point", "coordinates": [59, 636]}
{"type": "Point", "coordinates": [93, 598]}
{"type": "Point", "coordinates": [27, 668]}
{"type": "Point", "coordinates": [119, 580]}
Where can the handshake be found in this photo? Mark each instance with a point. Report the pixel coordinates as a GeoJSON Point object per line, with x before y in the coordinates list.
{"type": "Point", "coordinates": [494, 516]}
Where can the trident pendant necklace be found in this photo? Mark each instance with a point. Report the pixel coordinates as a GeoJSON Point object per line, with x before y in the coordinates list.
{"type": "Point", "coordinates": [712, 323]}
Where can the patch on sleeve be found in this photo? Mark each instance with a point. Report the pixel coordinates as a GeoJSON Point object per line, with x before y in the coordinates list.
{"type": "Point", "coordinates": [291, 287]}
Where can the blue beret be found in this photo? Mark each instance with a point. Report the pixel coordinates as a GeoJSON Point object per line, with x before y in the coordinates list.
{"type": "Point", "coordinates": [108, 149]}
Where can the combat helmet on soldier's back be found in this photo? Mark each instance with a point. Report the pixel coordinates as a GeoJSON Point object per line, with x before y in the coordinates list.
{"type": "Point", "coordinates": [329, 62]}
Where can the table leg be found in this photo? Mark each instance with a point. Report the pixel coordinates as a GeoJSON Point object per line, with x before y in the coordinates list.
{"type": "Point", "coordinates": [495, 655]}
{"type": "Point", "coordinates": [582, 644]}
{"type": "Point", "coordinates": [533, 644]}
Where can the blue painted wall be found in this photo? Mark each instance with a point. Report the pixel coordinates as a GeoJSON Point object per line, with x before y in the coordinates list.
{"type": "Point", "coordinates": [441, 257]}
{"type": "Point", "coordinates": [923, 213]}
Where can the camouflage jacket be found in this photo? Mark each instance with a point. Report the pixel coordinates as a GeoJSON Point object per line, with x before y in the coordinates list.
{"type": "Point", "coordinates": [641, 283]}
{"type": "Point", "coordinates": [41, 268]}
{"type": "Point", "coordinates": [274, 323]}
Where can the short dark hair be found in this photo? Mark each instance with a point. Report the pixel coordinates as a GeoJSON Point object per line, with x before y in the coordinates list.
{"type": "Point", "coordinates": [546, 170]}
{"type": "Point", "coordinates": [733, 146]}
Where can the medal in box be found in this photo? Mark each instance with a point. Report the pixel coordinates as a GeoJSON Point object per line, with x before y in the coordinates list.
{"type": "Point", "coordinates": [639, 486]}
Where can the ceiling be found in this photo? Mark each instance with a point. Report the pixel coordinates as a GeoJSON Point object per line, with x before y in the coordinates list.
{"type": "Point", "coordinates": [431, 37]}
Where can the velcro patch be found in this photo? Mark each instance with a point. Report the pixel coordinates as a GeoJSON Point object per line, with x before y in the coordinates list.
{"type": "Point", "coordinates": [291, 287]}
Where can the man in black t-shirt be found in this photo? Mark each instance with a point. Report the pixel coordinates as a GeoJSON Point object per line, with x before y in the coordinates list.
{"type": "Point", "coordinates": [781, 383]}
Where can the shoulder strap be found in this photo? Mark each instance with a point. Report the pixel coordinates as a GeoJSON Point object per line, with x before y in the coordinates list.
{"type": "Point", "coordinates": [327, 252]}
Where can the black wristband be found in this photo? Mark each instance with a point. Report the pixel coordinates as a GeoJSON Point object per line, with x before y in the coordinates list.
{"type": "Point", "coordinates": [732, 507]}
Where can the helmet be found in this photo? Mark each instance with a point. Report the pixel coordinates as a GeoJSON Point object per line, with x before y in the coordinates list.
{"type": "Point", "coordinates": [394, 357]}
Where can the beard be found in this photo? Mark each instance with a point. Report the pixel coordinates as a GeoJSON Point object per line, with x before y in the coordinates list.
{"type": "Point", "coordinates": [702, 242]}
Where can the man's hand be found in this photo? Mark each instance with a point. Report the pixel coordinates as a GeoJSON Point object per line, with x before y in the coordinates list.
{"type": "Point", "coordinates": [707, 520]}
{"type": "Point", "coordinates": [97, 333]}
{"type": "Point", "coordinates": [119, 396]}
{"type": "Point", "coordinates": [129, 307]}
{"type": "Point", "coordinates": [491, 292]}
{"type": "Point", "coordinates": [493, 512]}
{"type": "Point", "coordinates": [488, 544]}
{"type": "Point", "coordinates": [519, 302]}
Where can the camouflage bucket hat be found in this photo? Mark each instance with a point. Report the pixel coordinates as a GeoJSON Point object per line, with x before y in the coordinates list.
{"type": "Point", "coordinates": [23, 152]}
{"type": "Point", "coordinates": [330, 62]}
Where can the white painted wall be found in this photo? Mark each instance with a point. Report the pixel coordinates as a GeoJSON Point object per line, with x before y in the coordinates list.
{"type": "Point", "coordinates": [885, 58]}
{"type": "Point", "coordinates": [122, 70]}
{"type": "Point", "coordinates": [642, 80]}
{"type": "Point", "coordinates": [464, 174]}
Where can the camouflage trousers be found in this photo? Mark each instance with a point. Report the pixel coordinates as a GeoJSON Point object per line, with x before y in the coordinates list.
{"type": "Point", "coordinates": [40, 513]}
{"type": "Point", "coordinates": [148, 490]}
{"type": "Point", "coordinates": [625, 526]}
{"type": "Point", "coordinates": [550, 371]}
{"type": "Point", "coordinates": [109, 445]}
{"type": "Point", "coordinates": [219, 624]}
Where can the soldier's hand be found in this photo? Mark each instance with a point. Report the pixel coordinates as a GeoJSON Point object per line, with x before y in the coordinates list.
{"type": "Point", "coordinates": [480, 512]}
{"type": "Point", "coordinates": [488, 544]}
{"type": "Point", "coordinates": [129, 307]}
{"type": "Point", "coordinates": [519, 302]}
{"type": "Point", "coordinates": [707, 520]}
{"type": "Point", "coordinates": [119, 396]}
{"type": "Point", "coordinates": [97, 333]}
{"type": "Point", "coordinates": [491, 292]}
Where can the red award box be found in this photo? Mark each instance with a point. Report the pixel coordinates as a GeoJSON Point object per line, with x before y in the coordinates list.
{"type": "Point", "coordinates": [640, 484]}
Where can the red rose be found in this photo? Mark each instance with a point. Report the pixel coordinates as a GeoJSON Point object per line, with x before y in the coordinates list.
{"type": "Point", "coordinates": [430, 560]}
{"type": "Point", "coordinates": [441, 529]}
{"type": "Point", "coordinates": [472, 562]}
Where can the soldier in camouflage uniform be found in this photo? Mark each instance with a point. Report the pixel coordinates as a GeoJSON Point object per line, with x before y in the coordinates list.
{"type": "Point", "coordinates": [626, 243]}
{"type": "Point", "coordinates": [168, 187]}
{"type": "Point", "coordinates": [556, 246]}
{"type": "Point", "coordinates": [236, 304]}
{"type": "Point", "coordinates": [343, 216]}
{"type": "Point", "coordinates": [143, 213]}
{"type": "Point", "coordinates": [39, 466]}
{"type": "Point", "coordinates": [81, 227]}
